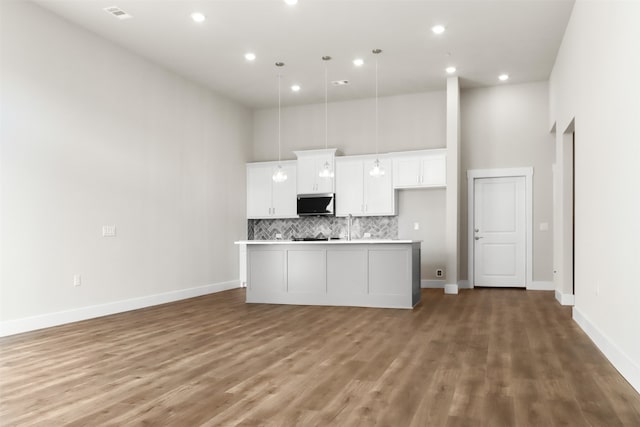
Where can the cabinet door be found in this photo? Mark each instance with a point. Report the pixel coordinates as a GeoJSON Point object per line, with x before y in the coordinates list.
{"type": "Point", "coordinates": [349, 187]}
{"type": "Point", "coordinates": [434, 171]}
{"type": "Point", "coordinates": [259, 191]}
{"type": "Point", "coordinates": [284, 194]}
{"type": "Point", "coordinates": [309, 181]}
{"type": "Point", "coordinates": [307, 175]}
{"type": "Point", "coordinates": [379, 196]}
{"type": "Point", "coordinates": [406, 172]}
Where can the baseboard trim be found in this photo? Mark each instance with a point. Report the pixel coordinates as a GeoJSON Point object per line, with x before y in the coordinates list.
{"type": "Point", "coordinates": [464, 284]}
{"type": "Point", "coordinates": [540, 286]}
{"type": "Point", "coordinates": [623, 363]}
{"type": "Point", "coordinates": [27, 324]}
{"type": "Point", "coordinates": [437, 284]}
{"type": "Point", "coordinates": [565, 299]}
{"type": "Point", "coordinates": [451, 289]}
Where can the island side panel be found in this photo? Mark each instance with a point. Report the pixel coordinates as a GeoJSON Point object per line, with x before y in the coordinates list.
{"type": "Point", "coordinates": [416, 275]}
{"type": "Point", "coordinates": [347, 272]}
{"type": "Point", "coordinates": [266, 272]}
{"type": "Point", "coordinates": [307, 272]}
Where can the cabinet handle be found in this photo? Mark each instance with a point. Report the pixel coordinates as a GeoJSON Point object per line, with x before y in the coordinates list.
{"type": "Point", "coordinates": [274, 210]}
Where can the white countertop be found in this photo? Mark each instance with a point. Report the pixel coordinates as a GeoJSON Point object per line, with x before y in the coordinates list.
{"type": "Point", "coordinates": [325, 242]}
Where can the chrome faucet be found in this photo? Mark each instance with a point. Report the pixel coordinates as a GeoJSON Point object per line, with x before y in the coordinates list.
{"type": "Point", "coordinates": [349, 221]}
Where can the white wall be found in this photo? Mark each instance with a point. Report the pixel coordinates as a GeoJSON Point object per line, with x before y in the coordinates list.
{"type": "Point", "coordinates": [407, 122]}
{"type": "Point", "coordinates": [427, 208]}
{"type": "Point", "coordinates": [93, 135]}
{"type": "Point", "coordinates": [595, 81]}
{"type": "Point", "coordinates": [505, 127]}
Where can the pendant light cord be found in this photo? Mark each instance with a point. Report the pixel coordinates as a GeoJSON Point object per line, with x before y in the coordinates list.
{"type": "Point", "coordinates": [376, 106]}
{"type": "Point", "coordinates": [279, 116]}
{"type": "Point", "coordinates": [326, 107]}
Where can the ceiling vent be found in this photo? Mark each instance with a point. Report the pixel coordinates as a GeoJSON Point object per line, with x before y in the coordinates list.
{"type": "Point", "coordinates": [117, 12]}
{"type": "Point", "coordinates": [340, 82]}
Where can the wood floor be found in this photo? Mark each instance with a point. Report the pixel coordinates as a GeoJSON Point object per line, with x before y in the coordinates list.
{"type": "Point", "coordinates": [492, 357]}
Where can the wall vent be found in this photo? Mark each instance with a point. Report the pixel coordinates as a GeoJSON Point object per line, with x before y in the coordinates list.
{"type": "Point", "coordinates": [117, 12]}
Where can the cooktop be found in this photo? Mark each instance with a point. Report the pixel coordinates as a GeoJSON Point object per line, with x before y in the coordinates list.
{"type": "Point", "coordinates": [309, 239]}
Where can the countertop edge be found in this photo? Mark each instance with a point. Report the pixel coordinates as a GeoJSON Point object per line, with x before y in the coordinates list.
{"type": "Point", "coordinates": [325, 242]}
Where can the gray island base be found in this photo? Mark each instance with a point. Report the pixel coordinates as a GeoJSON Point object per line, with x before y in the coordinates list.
{"type": "Point", "coordinates": [361, 273]}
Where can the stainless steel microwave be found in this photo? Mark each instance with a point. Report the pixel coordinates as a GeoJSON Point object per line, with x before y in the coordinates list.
{"type": "Point", "coordinates": [316, 204]}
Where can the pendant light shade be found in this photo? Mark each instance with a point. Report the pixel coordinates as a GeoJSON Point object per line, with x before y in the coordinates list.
{"type": "Point", "coordinates": [326, 171]}
{"type": "Point", "coordinates": [279, 175]}
{"type": "Point", "coordinates": [377, 170]}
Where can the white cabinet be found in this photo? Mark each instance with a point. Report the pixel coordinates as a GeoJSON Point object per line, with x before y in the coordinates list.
{"type": "Point", "coordinates": [420, 169]}
{"type": "Point", "coordinates": [269, 199]}
{"type": "Point", "coordinates": [310, 163]}
{"type": "Point", "coordinates": [360, 194]}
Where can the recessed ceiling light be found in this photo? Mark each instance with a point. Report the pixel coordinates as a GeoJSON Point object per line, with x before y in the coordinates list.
{"type": "Point", "coordinates": [358, 62]}
{"type": "Point", "coordinates": [291, 2]}
{"type": "Point", "coordinates": [437, 29]}
{"type": "Point", "coordinates": [295, 88]}
{"type": "Point", "coordinates": [503, 77]}
{"type": "Point", "coordinates": [198, 17]}
{"type": "Point", "coordinates": [117, 12]}
{"type": "Point", "coordinates": [451, 70]}
{"type": "Point", "coordinates": [250, 56]}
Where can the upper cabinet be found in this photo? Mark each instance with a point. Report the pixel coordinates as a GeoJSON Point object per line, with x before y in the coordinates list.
{"type": "Point", "coordinates": [310, 163]}
{"type": "Point", "coordinates": [269, 199]}
{"type": "Point", "coordinates": [420, 169]}
{"type": "Point", "coordinates": [360, 194]}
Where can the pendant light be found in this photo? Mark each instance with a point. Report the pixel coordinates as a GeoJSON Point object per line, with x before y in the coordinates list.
{"type": "Point", "coordinates": [279, 175]}
{"type": "Point", "coordinates": [326, 171]}
{"type": "Point", "coordinates": [377, 170]}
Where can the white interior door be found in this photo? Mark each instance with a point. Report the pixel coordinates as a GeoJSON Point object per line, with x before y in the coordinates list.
{"type": "Point", "coordinates": [499, 232]}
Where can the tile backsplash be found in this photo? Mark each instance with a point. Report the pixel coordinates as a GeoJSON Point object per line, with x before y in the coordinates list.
{"type": "Point", "coordinates": [380, 227]}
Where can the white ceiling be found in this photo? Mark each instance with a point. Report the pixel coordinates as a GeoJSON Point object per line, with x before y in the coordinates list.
{"type": "Point", "coordinates": [482, 39]}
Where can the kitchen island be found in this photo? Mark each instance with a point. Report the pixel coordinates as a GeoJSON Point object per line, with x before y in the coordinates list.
{"type": "Point", "coordinates": [362, 273]}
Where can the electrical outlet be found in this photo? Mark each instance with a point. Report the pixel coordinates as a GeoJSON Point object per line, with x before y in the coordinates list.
{"type": "Point", "coordinates": [278, 236]}
{"type": "Point", "coordinates": [416, 226]}
{"type": "Point", "coordinates": [77, 280]}
{"type": "Point", "coordinates": [367, 235]}
{"type": "Point", "coordinates": [439, 272]}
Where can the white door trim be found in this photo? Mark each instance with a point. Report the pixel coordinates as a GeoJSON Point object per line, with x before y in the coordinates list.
{"type": "Point", "coordinates": [527, 173]}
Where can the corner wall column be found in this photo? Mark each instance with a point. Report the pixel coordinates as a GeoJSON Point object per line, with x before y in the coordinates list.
{"type": "Point", "coordinates": [452, 202]}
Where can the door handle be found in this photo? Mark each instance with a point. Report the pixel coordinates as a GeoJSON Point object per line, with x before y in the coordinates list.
{"type": "Point", "coordinates": [476, 230]}
{"type": "Point", "coordinates": [478, 237]}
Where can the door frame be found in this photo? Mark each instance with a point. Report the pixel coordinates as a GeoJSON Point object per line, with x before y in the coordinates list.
{"type": "Point", "coordinates": [527, 173]}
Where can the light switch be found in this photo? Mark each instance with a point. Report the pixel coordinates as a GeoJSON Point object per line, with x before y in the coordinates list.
{"type": "Point", "coordinates": [108, 231]}
{"type": "Point", "coordinates": [416, 226]}
{"type": "Point", "coordinates": [544, 226]}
